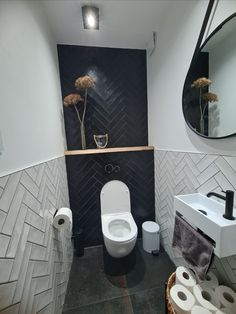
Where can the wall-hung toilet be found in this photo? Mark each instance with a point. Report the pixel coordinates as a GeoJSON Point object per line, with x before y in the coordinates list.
{"type": "Point", "coordinates": [118, 226]}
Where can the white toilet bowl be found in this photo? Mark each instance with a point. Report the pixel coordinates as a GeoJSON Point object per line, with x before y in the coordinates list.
{"type": "Point", "coordinates": [118, 226]}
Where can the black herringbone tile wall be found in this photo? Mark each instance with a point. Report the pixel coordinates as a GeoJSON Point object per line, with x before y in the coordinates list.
{"type": "Point", "coordinates": [117, 105]}
{"type": "Point", "coordinates": [86, 177]}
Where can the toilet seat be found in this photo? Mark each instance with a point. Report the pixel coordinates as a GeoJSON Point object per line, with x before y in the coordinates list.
{"type": "Point", "coordinates": [119, 227]}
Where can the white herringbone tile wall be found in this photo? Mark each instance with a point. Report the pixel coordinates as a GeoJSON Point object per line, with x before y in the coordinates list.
{"type": "Point", "coordinates": [35, 258]}
{"type": "Point", "coordinates": [182, 173]}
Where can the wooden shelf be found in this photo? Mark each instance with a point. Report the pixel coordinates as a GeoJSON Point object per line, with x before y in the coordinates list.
{"type": "Point", "coordinates": [108, 150]}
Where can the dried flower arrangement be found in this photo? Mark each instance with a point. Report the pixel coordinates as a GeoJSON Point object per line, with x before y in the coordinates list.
{"type": "Point", "coordinates": [81, 83]}
{"type": "Point", "coordinates": [204, 98]}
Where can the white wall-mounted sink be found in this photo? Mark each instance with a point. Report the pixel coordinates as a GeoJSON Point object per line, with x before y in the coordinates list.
{"type": "Point", "coordinates": [210, 221]}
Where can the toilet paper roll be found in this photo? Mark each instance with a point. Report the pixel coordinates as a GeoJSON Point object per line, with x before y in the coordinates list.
{"type": "Point", "coordinates": [197, 309]}
{"type": "Point", "coordinates": [185, 277]}
{"type": "Point", "coordinates": [225, 310]}
{"type": "Point", "coordinates": [226, 296]}
{"type": "Point", "coordinates": [211, 280]}
{"type": "Point", "coordinates": [206, 297]}
{"type": "Point", "coordinates": [63, 219]}
{"type": "Point", "coordinates": [181, 299]}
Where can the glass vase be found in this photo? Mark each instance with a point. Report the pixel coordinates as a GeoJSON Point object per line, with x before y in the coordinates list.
{"type": "Point", "coordinates": [82, 134]}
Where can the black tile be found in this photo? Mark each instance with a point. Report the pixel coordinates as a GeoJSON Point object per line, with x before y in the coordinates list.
{"type": "Point", "coordinates": [86, 177]}
{"type": "Point", "coordinates": [149, 301]}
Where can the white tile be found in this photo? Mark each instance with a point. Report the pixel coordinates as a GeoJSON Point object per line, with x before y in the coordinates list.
{"type": "Point", "coordinates": [4, 241]}
{"type": "Point", "coordinates": [42, 284]}
{"type": "Point", "coordinates": [28, 294]}
{"type": "Point", "coordinates": [6, 267]}
{"type": "Point", "coordinates": [22, 275]}
{"type": "Point", "coordinates": [43, 299]}
{"type": "Point", "coordinates": [15, 238]}
{"type": "Point", "coordinates": [208, 186]}
{"type": "Point", "coordinates": [33, 219]}
{"type": "Point", "coordinates": [6, 294]}
{"type": "Point", "coordinates": [32, 173]}
{"type": "Point", "coordinates": [9, 191]}
{"type": "Point", "coordinates": [30, 201]}
{"type": "Point", "coordinates": [30, 306]}
{"type": "Point", "coordinates": [19, 254]}
{"type": "Point", "coordinates": [36, 236]}
{"type": "Point", "coordinates": [3, 217]}
{"type": "Point", "coordinates": [48, 309]}
{"type": "Point", "coordinates": [29, 184]}
{"type": "Point", "coordinates": [14, 309]}
{"type": "Point", "coordinates": [231, 161]}
{"type": "Point", "coordinates": [208, 173]}
{"type": "Point", "coordinates": [3, 181]}
{"type": "Point", "coordinates": [41, 269]}
{"type": "Point", "coordinates": [206, 162]}
{"type": "Point", "coordinates": [223, 182]}
{"type": "Point", "coordinates": [196, 158]}
{"type": "Point", "coordinates": [227, 170]}
{"type": "Point", "coordinates": [38, 252]}
{"type": "Point", "coordinates": [13, 211]}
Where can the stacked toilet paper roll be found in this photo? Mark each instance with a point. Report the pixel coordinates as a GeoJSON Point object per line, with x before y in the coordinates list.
{"type": "Point", "coordinates": [63, 219]}
{"type": "Point", "coordinates": [226, 297]}
{"type": "Point", "coordinates": [211, 280]}
{"type": "Point", "coordinates": [181, 299]}
{"type": "Point", "coordinates": [197, 309]}
{"type": "Point", "coordinates": [206, 297]}
{"type": "Point", "coordinates": [188, 297]}
{"type": "Point", "coordinates": [225, 310]}
{"type": "Point", "coordinates": [185, 277]}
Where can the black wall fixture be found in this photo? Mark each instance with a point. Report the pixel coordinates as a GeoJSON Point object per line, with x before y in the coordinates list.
{"type": "Point", "coordinates": [86, 176]}
{"type": "Point", "coordinates": [117, 105]}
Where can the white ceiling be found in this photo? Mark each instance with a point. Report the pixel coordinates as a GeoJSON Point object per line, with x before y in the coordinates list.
{"type": "Point", "coordinates": [123, 23]}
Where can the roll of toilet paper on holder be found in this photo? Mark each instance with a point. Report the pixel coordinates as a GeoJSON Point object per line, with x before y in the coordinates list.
{"type": "Point", "coordinates": [63, 219]}
{"type": "Point", "coordinates": [181, 299]}
{"type": "Point", "coordinates": [206, 297]}
{"type": "Point", "coordinates": [226, 296]}
{"type": "Point", "coordinates": [185, 277]}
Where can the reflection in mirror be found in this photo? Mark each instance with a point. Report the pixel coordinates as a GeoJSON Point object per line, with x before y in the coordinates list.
{"type": "Point", "coordinates": [209, 96]}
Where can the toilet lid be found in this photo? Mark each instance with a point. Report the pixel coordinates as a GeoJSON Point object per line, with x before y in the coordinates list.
{"type": "Point", "coordinates": [115, 198]}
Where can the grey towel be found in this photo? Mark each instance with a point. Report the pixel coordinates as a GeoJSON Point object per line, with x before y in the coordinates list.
{"type": "Point", "coordinates": [195, 248]}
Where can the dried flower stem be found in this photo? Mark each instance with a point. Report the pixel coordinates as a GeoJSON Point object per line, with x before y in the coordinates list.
{"type": "Point", "coordinates": [78, 115]}
{"type": "Point", "coordinates": [85, 104]}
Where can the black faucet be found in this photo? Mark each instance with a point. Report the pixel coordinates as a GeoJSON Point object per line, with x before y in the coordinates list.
{"type": "Point", "coordinates": [229, 202]}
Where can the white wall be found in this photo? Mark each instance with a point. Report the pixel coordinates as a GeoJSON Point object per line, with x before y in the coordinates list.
{"type": "Point", "coordinates": [30, 96]}
{"type": "Point", "coordinates": [167, 68]}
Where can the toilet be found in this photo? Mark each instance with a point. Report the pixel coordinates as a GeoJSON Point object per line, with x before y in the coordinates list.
{"type": "Point", "coordinates": [118, 226]}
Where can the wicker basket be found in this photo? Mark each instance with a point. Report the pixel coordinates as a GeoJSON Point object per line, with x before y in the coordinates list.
{"type": "Point", "coordinates": [170, 283]}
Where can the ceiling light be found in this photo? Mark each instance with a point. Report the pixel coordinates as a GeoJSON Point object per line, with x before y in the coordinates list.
{"type": "Point", "coordinates": [90, 17]}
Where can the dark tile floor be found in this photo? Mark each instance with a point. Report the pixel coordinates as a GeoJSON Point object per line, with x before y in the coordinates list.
{"type": "Point", "coordinates": [133, 285]}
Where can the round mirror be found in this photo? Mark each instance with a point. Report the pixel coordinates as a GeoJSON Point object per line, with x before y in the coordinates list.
{"type": "Point", "coordinates": [209, 95]}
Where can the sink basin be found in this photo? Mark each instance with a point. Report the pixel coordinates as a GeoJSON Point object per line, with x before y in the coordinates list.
{"type": "Point", "coordinates": [207, 215]}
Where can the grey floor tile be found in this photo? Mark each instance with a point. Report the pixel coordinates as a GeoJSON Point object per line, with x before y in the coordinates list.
{"type": "Point", "coordinates": [114, 306]}
{"type": "Point", "coordinates": [101, 284]}
{"type": "Point", "coordinates": [149, 301]}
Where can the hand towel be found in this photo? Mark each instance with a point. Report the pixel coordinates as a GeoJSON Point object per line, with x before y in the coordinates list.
{"type": "Point", "coordinates": [195, 248]}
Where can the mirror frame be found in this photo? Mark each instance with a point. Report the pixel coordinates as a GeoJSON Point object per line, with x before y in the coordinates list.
{"type": "Point", "coordinates": [186, 79]}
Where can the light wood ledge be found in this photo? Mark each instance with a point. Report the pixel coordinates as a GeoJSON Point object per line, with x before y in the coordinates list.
{"type": "Point", "coordinates": [108, 150]}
